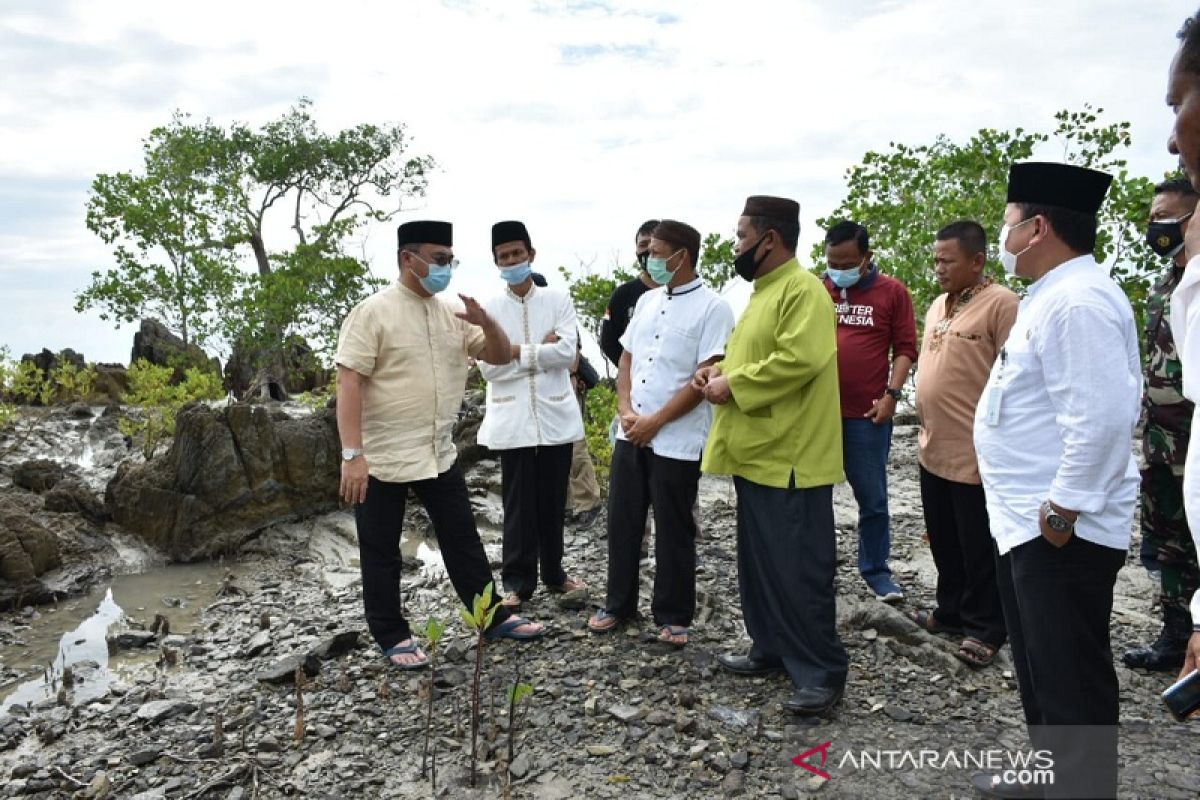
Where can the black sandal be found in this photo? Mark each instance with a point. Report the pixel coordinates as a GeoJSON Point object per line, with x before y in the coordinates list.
{"type": "Point", "coordinates": [929, 622]}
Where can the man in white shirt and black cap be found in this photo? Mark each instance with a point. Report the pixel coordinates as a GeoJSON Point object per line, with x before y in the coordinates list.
{"type": "Point", "coordinates": [532, 417]}
{"type": "Point", "coordinates": [1053, 432]}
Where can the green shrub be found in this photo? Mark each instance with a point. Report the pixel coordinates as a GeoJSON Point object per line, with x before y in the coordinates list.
{"type": "Point", "coordinates": [72, 383]}
{"type": "Point", "coordinates": [600, 408]}
{"type": "Point", "coordinates": [150, 389]}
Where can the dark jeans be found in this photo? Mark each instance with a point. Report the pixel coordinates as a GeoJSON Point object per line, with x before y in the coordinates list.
{"type": "Point", "coordinates": [787, 555]}
{"type": "Point", "coordinates": [535, 500]}
{"type": "Point", "coordinates": [639, 478]}
{"type": "Point", "coordinates": [956, 519]}
{"type": "Point", "coordinates": [1057, 603]}
{"type": "Point", "coordinates": [380, 519]}
{"type": "Point", "coordinates": [865, 450]}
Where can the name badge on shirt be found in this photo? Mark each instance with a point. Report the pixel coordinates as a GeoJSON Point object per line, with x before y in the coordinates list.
{"type": "Point", "coordinates": [995, 395]}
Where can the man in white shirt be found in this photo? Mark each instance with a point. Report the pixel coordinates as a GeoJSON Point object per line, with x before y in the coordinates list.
{"type": "Point", "coordinates": [532, 417]}
{"type": "Point", "coordinates": [1053, 433]}
{"type": "Point", "coordinates": [1183, 95]}
{"type": "Point", "coordinates": [675, 330]}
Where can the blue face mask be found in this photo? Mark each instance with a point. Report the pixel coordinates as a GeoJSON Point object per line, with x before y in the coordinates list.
{"type": "Point", "coordinates": [657, 267]}
{"type": "Point", "coordinates": [439, 275]}
{"type": "Point", "coordinates": [844, 278]}
{"type": "Point", "coordinates": [516, 274]}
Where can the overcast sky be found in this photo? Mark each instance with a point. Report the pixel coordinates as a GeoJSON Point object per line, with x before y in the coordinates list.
{"type": "Point", "coordinates": [582, 117]}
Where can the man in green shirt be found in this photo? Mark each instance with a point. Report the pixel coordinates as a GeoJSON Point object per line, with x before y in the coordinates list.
{"type": "Point", "coordinates": [777, 431]}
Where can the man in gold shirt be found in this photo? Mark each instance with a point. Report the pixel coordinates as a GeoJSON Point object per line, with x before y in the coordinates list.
{"type": "Point", "coordinates": [964, 331]}
{"type": "Point", "coordinates": [777, 430]}
{"type": "Point", "coordinates": [402, 368]}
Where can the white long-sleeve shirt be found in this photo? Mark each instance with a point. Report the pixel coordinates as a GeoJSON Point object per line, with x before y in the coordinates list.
{"type": "Point", "coordinates": [531, 401]}
{"type": "Point", "coordinates": [1070, 386]}
{"type": "Point", "coordinates": [1185, 324]}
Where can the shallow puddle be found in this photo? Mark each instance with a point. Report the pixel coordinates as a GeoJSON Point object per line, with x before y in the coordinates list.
{"type": "Point", "coordinates": [76, 630]}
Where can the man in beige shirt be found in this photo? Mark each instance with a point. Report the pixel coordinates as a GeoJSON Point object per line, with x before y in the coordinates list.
{"type": "Point", "coordinates": [965, 330]}
{"type": "Point", "coordinates": [402, 368]}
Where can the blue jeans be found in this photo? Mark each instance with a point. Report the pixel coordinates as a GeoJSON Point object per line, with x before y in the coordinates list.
{"type": "Point", "coordinates": [865, 450]}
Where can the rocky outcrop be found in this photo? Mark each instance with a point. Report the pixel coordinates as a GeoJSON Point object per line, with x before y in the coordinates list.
{"type": "Point", "coordinates": [38, 475]}
{"type": "Point", "coordinates": [28, 550]}
{"type": "Point", "coordinates": [229, 473]}
{"type": "Point", "coordinates": [111, 381]}
{"type": "Point", "coordinates": [47, 361]}
{"type": "Point", "coordinates": [248, 373]}
{"type": "Point", "coordinates": [154, 343]}
{"type": "Point", "coordinates": [466, 429]}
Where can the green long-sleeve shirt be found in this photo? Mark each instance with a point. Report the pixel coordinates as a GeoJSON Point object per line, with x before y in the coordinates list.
{"type": "Point", "coordinates": [781, 362]}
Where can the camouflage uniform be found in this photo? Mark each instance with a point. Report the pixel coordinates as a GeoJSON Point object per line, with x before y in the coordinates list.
{"type": "Point", "coordinates": [1168, 419]}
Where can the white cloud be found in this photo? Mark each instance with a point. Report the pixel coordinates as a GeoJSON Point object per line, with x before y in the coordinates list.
{"type": "Point", "coordinates": [582, 118]}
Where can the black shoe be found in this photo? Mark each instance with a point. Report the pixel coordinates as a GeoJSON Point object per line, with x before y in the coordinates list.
{"type": "Point", "coordinates": [810, 701]}
{"type": "Point", "coordinates": [747, 665]}
{"type": "Point", "coordinates": [990, 786]}
{"type": "Point", "coordinates": [1169, 650]}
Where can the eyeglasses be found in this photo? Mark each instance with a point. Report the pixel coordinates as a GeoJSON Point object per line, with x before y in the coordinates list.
{"type": "Point", "coordinates": [442, 260]}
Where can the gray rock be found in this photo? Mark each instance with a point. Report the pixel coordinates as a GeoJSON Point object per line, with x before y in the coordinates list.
{"type": "Point", "coordinates": [740, 759]}
{"type": "Point", "coordinates": [23, 769]}
{"type": "Point", "coordinates": [283, 671]}
{"type": "Point", "coordinates": [71, 496]}
{"type": "Point", "coordinates": [269, 744]}
{"type": "Point", "coordinates": [336, 645]}
{"type": "Point", "coordinates": [735, 717]}
{"type": "Point", "coordinates": [520, 766]}
{"type": "Point", "coordinates": [140, 758]}
{"type": "Point", "coordinates": [230, 471]}
{"type": "Point", "coordinates": [156, 711]}
{"type": "Point", "coordinates": [38, 475]}
{"type": "Point", "coordinates": [734, 783]}
{"type": "Point", "coordinates": [131, 640]}
{"type": "Point", "coordinates": [625, 713]}
{"type": "Point", "coordinates": [257, 644]}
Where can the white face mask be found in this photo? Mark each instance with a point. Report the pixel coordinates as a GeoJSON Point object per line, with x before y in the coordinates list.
{"type": "Point", "coordinates": [1009, 260]}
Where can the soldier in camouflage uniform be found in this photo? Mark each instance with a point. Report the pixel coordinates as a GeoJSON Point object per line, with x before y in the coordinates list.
{"type": "Point", "coordinates": [1168, 418]}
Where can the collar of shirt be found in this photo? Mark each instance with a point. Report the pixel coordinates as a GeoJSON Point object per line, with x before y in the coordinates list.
{"type": "Point", "coordinates": [528, 295]}
{"type": "Point", "coordinates": [690, 286]}
{"type": "Point", "coordinates": [1061, 273]}
{"type": "Point", "coordinates": [776, 274]}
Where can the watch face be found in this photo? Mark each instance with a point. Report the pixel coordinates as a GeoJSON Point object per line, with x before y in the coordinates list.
{"type": "Point", "coordinates": [1057, 522]}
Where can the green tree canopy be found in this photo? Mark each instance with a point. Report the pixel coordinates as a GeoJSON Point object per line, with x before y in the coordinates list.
{"type": "Point", "coordinates": [906, 193]}
{"type": "Point", "coordinates": [209, 199]}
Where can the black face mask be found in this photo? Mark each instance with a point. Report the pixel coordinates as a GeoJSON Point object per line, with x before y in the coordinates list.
{"type": "Point", "coordinates": [643, 257]}
{"type": "Point", "coordinates": [746, 264]}
{"type": "Point", "coordinates": [1165, 237]}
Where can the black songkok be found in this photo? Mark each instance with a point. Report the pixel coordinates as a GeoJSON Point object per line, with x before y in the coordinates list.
{"type": "Point", "coordinates": [510, 231]}
{"type": "Point", "coordinates": [1045, 183]}
{"type": "Point", "coordinates": [425, 232]}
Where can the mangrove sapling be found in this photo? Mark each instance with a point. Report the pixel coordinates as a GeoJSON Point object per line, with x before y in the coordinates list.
{"type": "Point", "coordinates": [479, 619]}
{"type": "Point", "coordinates": [434, 629]}
{"type": "Point", "coordinates": [516, 693]}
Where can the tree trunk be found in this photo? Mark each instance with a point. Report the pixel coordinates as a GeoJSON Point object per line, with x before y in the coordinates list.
{"type": "Point", "coordinates": [260, 252]}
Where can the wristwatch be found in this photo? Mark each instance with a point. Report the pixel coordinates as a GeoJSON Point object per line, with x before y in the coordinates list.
{"type": "Point", "coordinates": [1056, 521]}
{"type": "Point", "coordinates": [351, 453]}
{"type": "Point", "coordinates": [895, 393]}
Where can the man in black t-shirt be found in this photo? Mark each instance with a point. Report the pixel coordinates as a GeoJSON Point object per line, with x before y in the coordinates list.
{"type": "Point", "coordinates": [625, 297]}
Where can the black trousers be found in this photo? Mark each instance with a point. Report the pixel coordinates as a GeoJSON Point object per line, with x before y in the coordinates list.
{"type": "Point", "coordinates": [535, 500]}
{"type": "Point", "coordinates": [1057, 602]}
{"type": "Point", "coordinates": [957, 521]}
{"type": "Point", "coordinates": [380, 519]}
{"type": "Point", "coordinates": [786, 563]}
{"type": "Point", "coordinates": [638, 479]}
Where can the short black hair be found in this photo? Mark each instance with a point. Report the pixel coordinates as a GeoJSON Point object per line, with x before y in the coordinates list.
{"type": "Point", "coordinates": [647, 228]}
{"type": "Point", "coordinates": [970, 235]}
{"type": "Point", "coordinates": [788, 230]}
{"type": "Point", "coordinates": [1077, 229]}
{"type": "Point", "coordinates": [1189, 50]}
{"type": "Point", "coordinates": [847, 230]}
{"type": "Point", "coordinates": [1180, 186]}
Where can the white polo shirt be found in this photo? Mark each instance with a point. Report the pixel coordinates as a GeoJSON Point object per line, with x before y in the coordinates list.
{"type": "Point", "coordinates": [1071, 386]}
{"type": "Point", "coordinates": [674, 331]}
